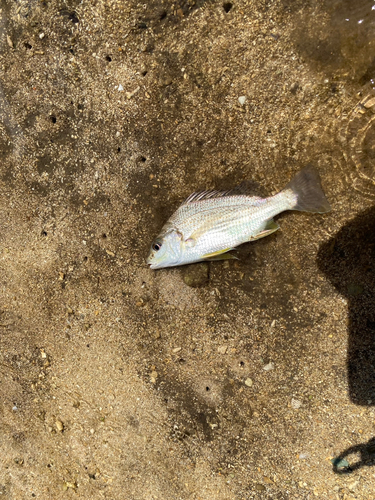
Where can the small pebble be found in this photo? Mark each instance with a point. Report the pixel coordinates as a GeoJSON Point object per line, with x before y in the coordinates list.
{"type": "Point", "coordinates": [340, 463]}
{"type": "Point", "coordinates": [129, 95]}
{"type": "Point", "coordinates": [370, 103]}
{"type": "Point", "coordinates": [294, 87]}
{"type": "Point", "coordinates": [242, 100]}
{"type": "Point", "coordinates": [68, 484]}
{"type": "Point", "coordinates": [120, 88]}
{"type": "Point", "coordinates": [259, 487]}
{"type": "Point", "coordinates": [41, 36]}
{"type": "Point", "coordinates": [296, 404]}
{"type": "Point", "coordinates": [167, 81]}
{"type": "Point", "coordinates": [268, 367]}
{"type": "Point", "coordinates": [352, 486]}
{"type": "Point", "coordinates": [222, 349]}
{"type": "Point", "coordinates": [59, 425]}
{"type": "Point", "coordinates": [248, 382]}
{"type": "Point", "coordinates": [176, 349]}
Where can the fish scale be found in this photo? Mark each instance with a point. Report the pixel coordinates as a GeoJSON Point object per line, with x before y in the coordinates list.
{"type": "Point", "coordinates": [210, 223]}
{"type": "Point", "coordinates": [224, 223]}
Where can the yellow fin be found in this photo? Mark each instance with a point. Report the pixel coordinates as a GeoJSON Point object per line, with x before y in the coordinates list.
{"type": "Point", "coordinates": [216, 254]}
{"type": "Point", "coordinates": [222, 256]}
{"type": "Point", "coordinates": [269, 228]}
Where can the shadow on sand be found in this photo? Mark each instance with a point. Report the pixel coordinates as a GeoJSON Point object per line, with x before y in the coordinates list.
{"type": "Point", "coordinates": [348, 261]}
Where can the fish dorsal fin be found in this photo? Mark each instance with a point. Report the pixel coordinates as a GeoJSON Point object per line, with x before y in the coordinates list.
{"type": "Point", "coordinates": [205, 195]}
{"type": "Point", "coordinates": [246, 188]}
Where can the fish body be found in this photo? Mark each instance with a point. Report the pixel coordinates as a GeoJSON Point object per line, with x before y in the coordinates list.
{"type": "Point", "coordinates": [210, 223]}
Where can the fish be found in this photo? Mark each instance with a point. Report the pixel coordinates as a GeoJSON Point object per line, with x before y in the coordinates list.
{"type": "Point", "coordinates": [209, 224]}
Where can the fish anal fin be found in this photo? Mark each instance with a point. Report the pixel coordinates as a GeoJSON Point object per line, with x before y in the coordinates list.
{"type": "Point", "coordinates": [269, 228]}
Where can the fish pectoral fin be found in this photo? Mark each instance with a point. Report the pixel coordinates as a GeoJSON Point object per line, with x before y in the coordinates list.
{"type": "Point", "coordinates": [269, 228]}
{"type": "Point", "coordinates": [219, 255]}
{"type": "Point", "coordinates": [198, 232]}
{"type": "Point", "coordinates": [190, 242]}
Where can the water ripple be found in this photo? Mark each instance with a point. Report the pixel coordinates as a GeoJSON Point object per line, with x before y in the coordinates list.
{"type": "Point", "coordinates": [359, 135]}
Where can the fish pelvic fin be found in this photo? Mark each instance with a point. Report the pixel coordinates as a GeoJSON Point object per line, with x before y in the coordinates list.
{"type": "Point", "coordinates": [224, 256]}
{"type": "Point", "coordinates": [306, 185]}
{"type": "Point", "coordinates": [219, 255]}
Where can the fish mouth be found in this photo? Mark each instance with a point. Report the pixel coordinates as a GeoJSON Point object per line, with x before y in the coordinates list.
{"type": "Point", "coordinates": [150, 264]}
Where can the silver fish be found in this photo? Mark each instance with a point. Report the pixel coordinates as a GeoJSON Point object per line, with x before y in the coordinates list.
{"type": "Point", "coordinates": [210, 223]}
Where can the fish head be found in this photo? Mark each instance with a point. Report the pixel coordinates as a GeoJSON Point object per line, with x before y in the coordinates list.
{"type": "Point", "coordinates": [166, 250]}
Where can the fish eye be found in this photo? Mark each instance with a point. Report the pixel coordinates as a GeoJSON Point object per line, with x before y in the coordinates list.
{"type": "Point", "coordinates": [156, 246]}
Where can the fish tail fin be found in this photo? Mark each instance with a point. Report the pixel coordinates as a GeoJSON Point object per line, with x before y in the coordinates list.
{"type": "Point", "coordinates": [306, 185]}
